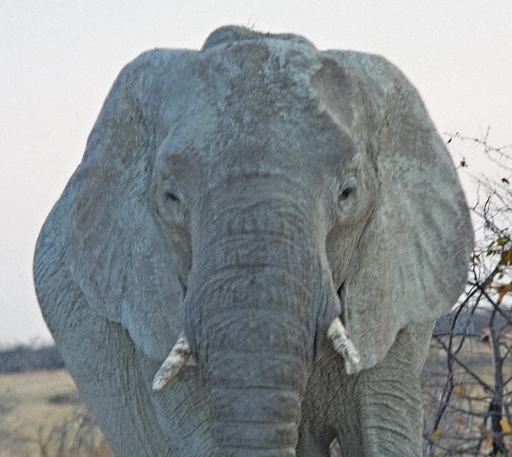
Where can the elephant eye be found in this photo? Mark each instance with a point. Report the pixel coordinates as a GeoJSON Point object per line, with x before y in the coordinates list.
{"type": "Point", "coordinates": [173, 208]}
{"type": "Point", "coordinates": [348, 189]}
{"type": "Point", "coordinates": [172, 197]}
{"type": "Point", "coordinates": [345, 193]}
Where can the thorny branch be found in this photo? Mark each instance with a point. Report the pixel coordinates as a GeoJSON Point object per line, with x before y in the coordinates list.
{"type": "Point", "coordinates": [468, 380]}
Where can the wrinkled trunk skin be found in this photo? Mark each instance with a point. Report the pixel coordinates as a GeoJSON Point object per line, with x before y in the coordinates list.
{"type": "Point", "coordinates": [249, 323]}
{"type": "Point", "coordinates": [255, 384]}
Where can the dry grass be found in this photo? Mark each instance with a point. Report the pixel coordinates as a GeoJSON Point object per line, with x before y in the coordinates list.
{"type": "Point", "coordinates": [41, 415]}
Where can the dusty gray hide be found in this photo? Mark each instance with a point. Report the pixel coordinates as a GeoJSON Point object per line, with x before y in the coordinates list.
{"type": "Point", "coordinates": [294, 215]}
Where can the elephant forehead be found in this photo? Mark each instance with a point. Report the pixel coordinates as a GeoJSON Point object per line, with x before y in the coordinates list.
{"type": "Point", "coordinates": [277, 66]}
{"type": "Point", "coordinates": [306, 147]}
{"type": "Point", "coordinates": [241, 86]}
{"type": "Point", "coordinates": [256, 107]}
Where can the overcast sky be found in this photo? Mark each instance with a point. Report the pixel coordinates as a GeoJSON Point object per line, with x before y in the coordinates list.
{"type": "Point", "coordinates": [58, 59]}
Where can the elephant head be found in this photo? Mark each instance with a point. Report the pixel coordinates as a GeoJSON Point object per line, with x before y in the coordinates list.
{"type": "Point", "coordinates": [249, 196]}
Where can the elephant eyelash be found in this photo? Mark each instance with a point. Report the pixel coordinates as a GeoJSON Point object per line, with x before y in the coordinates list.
{"type": "Point", "coordinates": [172, 197]}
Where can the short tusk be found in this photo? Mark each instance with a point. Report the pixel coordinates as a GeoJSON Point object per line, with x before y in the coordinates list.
{"type": "Point", "coordinates": [342, 343]}
{"type": "Point", "coordinates": [179, 354]}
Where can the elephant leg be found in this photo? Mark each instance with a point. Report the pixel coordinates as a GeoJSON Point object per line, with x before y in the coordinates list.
{"type": "Point", "coordinates": [387, 400]}
{"type": "Point", "coordinates": [105, 369]}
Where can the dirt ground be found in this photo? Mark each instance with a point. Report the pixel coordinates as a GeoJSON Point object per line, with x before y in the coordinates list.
{"type": "Point", "coordinates": [41, 415]}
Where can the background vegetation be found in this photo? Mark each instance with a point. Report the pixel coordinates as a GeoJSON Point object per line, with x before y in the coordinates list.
{"type": "Point", "coordinates": [468, 377]}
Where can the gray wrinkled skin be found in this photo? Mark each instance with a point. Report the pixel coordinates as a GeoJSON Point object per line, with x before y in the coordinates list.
{"type": "Point", "coordinates": [247, 194]}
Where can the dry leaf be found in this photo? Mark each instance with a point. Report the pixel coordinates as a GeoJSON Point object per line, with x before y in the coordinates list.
{"type": "Point", "coordinates": [459, 421]}
{"type": "Point", "coordinates": [503, 289]}
{"type": "Point", "coordinates": [489, 439]}
{"type": "Point", "coordinates": [506, 257]}
{"type": "Point", "coordinates": [505, 425]}
{"type": "Point", "coordinates": [436, 435]}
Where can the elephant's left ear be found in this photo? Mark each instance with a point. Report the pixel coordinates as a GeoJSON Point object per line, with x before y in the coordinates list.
{"type": "Point", "coordinates": [412, 258]}
{"type": "Point", "coordinates": [114, 247]}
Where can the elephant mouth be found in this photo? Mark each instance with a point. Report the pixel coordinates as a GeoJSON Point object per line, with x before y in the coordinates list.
{"type": "Point", "coordinates": [181, 353]}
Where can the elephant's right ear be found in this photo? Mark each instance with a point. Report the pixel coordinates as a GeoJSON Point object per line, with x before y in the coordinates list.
{"type": "Point", "coordinates": [115, 248]}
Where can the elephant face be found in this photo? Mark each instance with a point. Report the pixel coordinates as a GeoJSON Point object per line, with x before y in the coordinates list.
{"type": "Point", "coordinates": [265, 153]}
{"type": "Point", "coordinates": [266, 181]}
{"type": "Point", "coordinates": [249, 195]}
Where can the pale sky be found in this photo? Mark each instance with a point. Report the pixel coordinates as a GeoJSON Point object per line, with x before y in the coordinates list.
{"type": "Point", "coordinates": [58, 59]}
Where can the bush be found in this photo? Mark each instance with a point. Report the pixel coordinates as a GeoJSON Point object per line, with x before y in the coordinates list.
{"type": "Point", "coordinates": [25, 358]}
{"type": "Point", "coordinates": [468, 378]}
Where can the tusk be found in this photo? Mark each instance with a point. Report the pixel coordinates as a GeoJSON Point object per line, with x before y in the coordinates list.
{"type": "Point", "coordinates": [342, 343]}
{"type": "Point", "coordinates": [179, 354]}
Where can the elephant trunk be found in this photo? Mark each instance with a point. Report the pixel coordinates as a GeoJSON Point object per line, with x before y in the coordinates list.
{"type": "Point", "coordinates": [251, 318]}
{"type": "Point", "coordinates": [255, 366]}
{"type": "Point", "coordinates": [255, 399]}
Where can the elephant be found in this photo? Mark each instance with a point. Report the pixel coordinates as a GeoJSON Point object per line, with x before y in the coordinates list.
{"type": "Point", "coordinates": [250, 257]}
